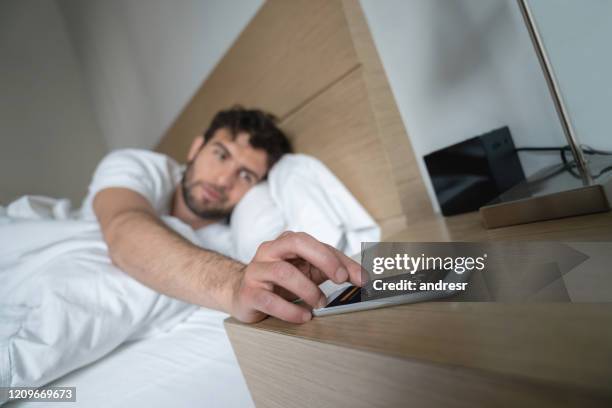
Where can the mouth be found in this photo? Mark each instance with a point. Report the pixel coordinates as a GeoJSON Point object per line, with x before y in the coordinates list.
{"type": "Point", "coordinates": [210, 194]}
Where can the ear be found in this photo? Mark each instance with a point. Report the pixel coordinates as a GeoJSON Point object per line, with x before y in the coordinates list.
{"type": "Point", "coordinates": [196, 145]}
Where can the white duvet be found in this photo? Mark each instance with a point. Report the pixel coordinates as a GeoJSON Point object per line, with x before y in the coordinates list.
{"type": "Point", "coordinates": [63, 304]}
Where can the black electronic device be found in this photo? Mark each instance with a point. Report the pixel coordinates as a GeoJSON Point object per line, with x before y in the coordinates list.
{"type": "Point", "coordinates": [470, 174]}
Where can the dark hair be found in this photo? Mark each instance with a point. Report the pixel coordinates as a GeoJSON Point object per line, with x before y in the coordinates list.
{"type": "Point", "coordinates": [260, 125]}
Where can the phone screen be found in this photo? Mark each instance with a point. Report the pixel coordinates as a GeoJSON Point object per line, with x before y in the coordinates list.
{"type": "Point", "coordinates": [351, 294]}
{"type": "Point", "coordinates": [355, 294]}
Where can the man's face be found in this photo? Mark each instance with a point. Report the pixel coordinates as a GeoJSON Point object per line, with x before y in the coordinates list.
{"type": "Point", "coordinates": [220, 174]}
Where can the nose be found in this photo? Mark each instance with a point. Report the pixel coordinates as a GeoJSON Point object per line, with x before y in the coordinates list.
{"type": "Point", "coordinates": [225, 178]}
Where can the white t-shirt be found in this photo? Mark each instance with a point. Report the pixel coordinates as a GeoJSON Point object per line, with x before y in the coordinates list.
{"type": "Point", "coordinates": [154, 175]}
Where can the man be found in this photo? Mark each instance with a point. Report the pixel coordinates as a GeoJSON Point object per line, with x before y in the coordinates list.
{"type": "Point", "coordinates": [233, 155]}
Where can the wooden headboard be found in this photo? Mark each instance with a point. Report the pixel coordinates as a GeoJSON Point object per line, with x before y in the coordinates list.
{"type": "Point", "coordinates": [314, 65]}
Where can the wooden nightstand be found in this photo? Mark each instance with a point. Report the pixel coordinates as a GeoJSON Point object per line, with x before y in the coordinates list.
{"type": "Point", "coordinates": [440, 354]}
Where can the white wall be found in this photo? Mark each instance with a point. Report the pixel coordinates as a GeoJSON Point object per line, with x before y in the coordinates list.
{"type": "Point", "coordinates": [458, 68]}
{"type": "Point", "coordinates": [577, 37]}
{"type": "Point", "coordinates": [461, 68]}
{"type": "Point", "coordinates": [144, 59]}
{"type": "Point", "coordinates": [49, 141]}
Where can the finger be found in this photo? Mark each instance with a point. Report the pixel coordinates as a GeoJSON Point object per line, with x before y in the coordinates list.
{"type": "Point", "coordinates": [312, 273]}
{"type": "Point", "coordinates": [274, 305]}
{"type": "Point", "coordinates": [285, 233]}
{"type": "Point", "coordinates": [354, 268]}
{"type": "Point", "coordinates": [302, 245]}
{"type": "Point", "coordinates": [287, 276]}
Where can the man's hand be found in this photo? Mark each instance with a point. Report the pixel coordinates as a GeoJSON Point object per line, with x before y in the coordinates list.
{"type": "Point", "coordinates": [294, 263]}
{"type": "Point", "coordinates": [289, 267]}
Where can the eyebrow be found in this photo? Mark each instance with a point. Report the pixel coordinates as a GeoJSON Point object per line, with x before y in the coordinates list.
{"type": "Point", "coordinates": [242, 167]}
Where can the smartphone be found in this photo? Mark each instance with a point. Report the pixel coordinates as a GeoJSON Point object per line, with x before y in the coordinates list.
{"type": "Point", "coordinates": [354, 298]}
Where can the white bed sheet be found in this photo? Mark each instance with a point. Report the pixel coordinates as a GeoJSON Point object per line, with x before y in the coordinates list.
{"type": "Point", "coordinates": [192, 365]}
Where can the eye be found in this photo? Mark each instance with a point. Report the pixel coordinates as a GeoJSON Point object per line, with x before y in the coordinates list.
{"type": "Point", "coordinates": [246, 176]}
{"type": "Point", "coordinates": [221, 155]}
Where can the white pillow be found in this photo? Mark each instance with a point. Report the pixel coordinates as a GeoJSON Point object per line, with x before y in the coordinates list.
{"type": "Point", "coordinates": [301, 194]}
{"type": "Point", "coordinates": [315, 201]}
{"type": "Point", "coordinates": [255, 219]}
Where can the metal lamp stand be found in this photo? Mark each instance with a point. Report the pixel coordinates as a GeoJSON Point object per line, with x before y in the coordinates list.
{"type": "Point", "coordinates": [553, 192]}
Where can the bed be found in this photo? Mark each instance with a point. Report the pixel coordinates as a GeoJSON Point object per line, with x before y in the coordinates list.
{"type": "Point", "coordinates": [191, 365]}
{"type": "Point", "coordinates": [314, 64]}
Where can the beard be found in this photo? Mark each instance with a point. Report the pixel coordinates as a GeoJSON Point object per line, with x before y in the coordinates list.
{"type": "Point", "coordinates": [203, 209]}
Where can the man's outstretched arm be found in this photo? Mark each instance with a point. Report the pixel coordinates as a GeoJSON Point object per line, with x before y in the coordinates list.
{"type": "Point", "coordinates": [144, 247]}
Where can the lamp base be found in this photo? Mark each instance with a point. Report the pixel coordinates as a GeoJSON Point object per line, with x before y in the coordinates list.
{"type": "Point", "coordinates": [550, 194]}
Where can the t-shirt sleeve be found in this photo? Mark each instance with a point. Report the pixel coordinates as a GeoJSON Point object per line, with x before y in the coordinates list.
{"type": "Point", "coordinates": [150, 174]}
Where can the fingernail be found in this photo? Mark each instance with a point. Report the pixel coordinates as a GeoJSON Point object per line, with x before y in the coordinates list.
{"type": "Point", "coordinates": [322, 302]}
{"type": "Point", "coordinates": [342, 274]}
{"type": "Point", "coordinates": [306, 317]}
